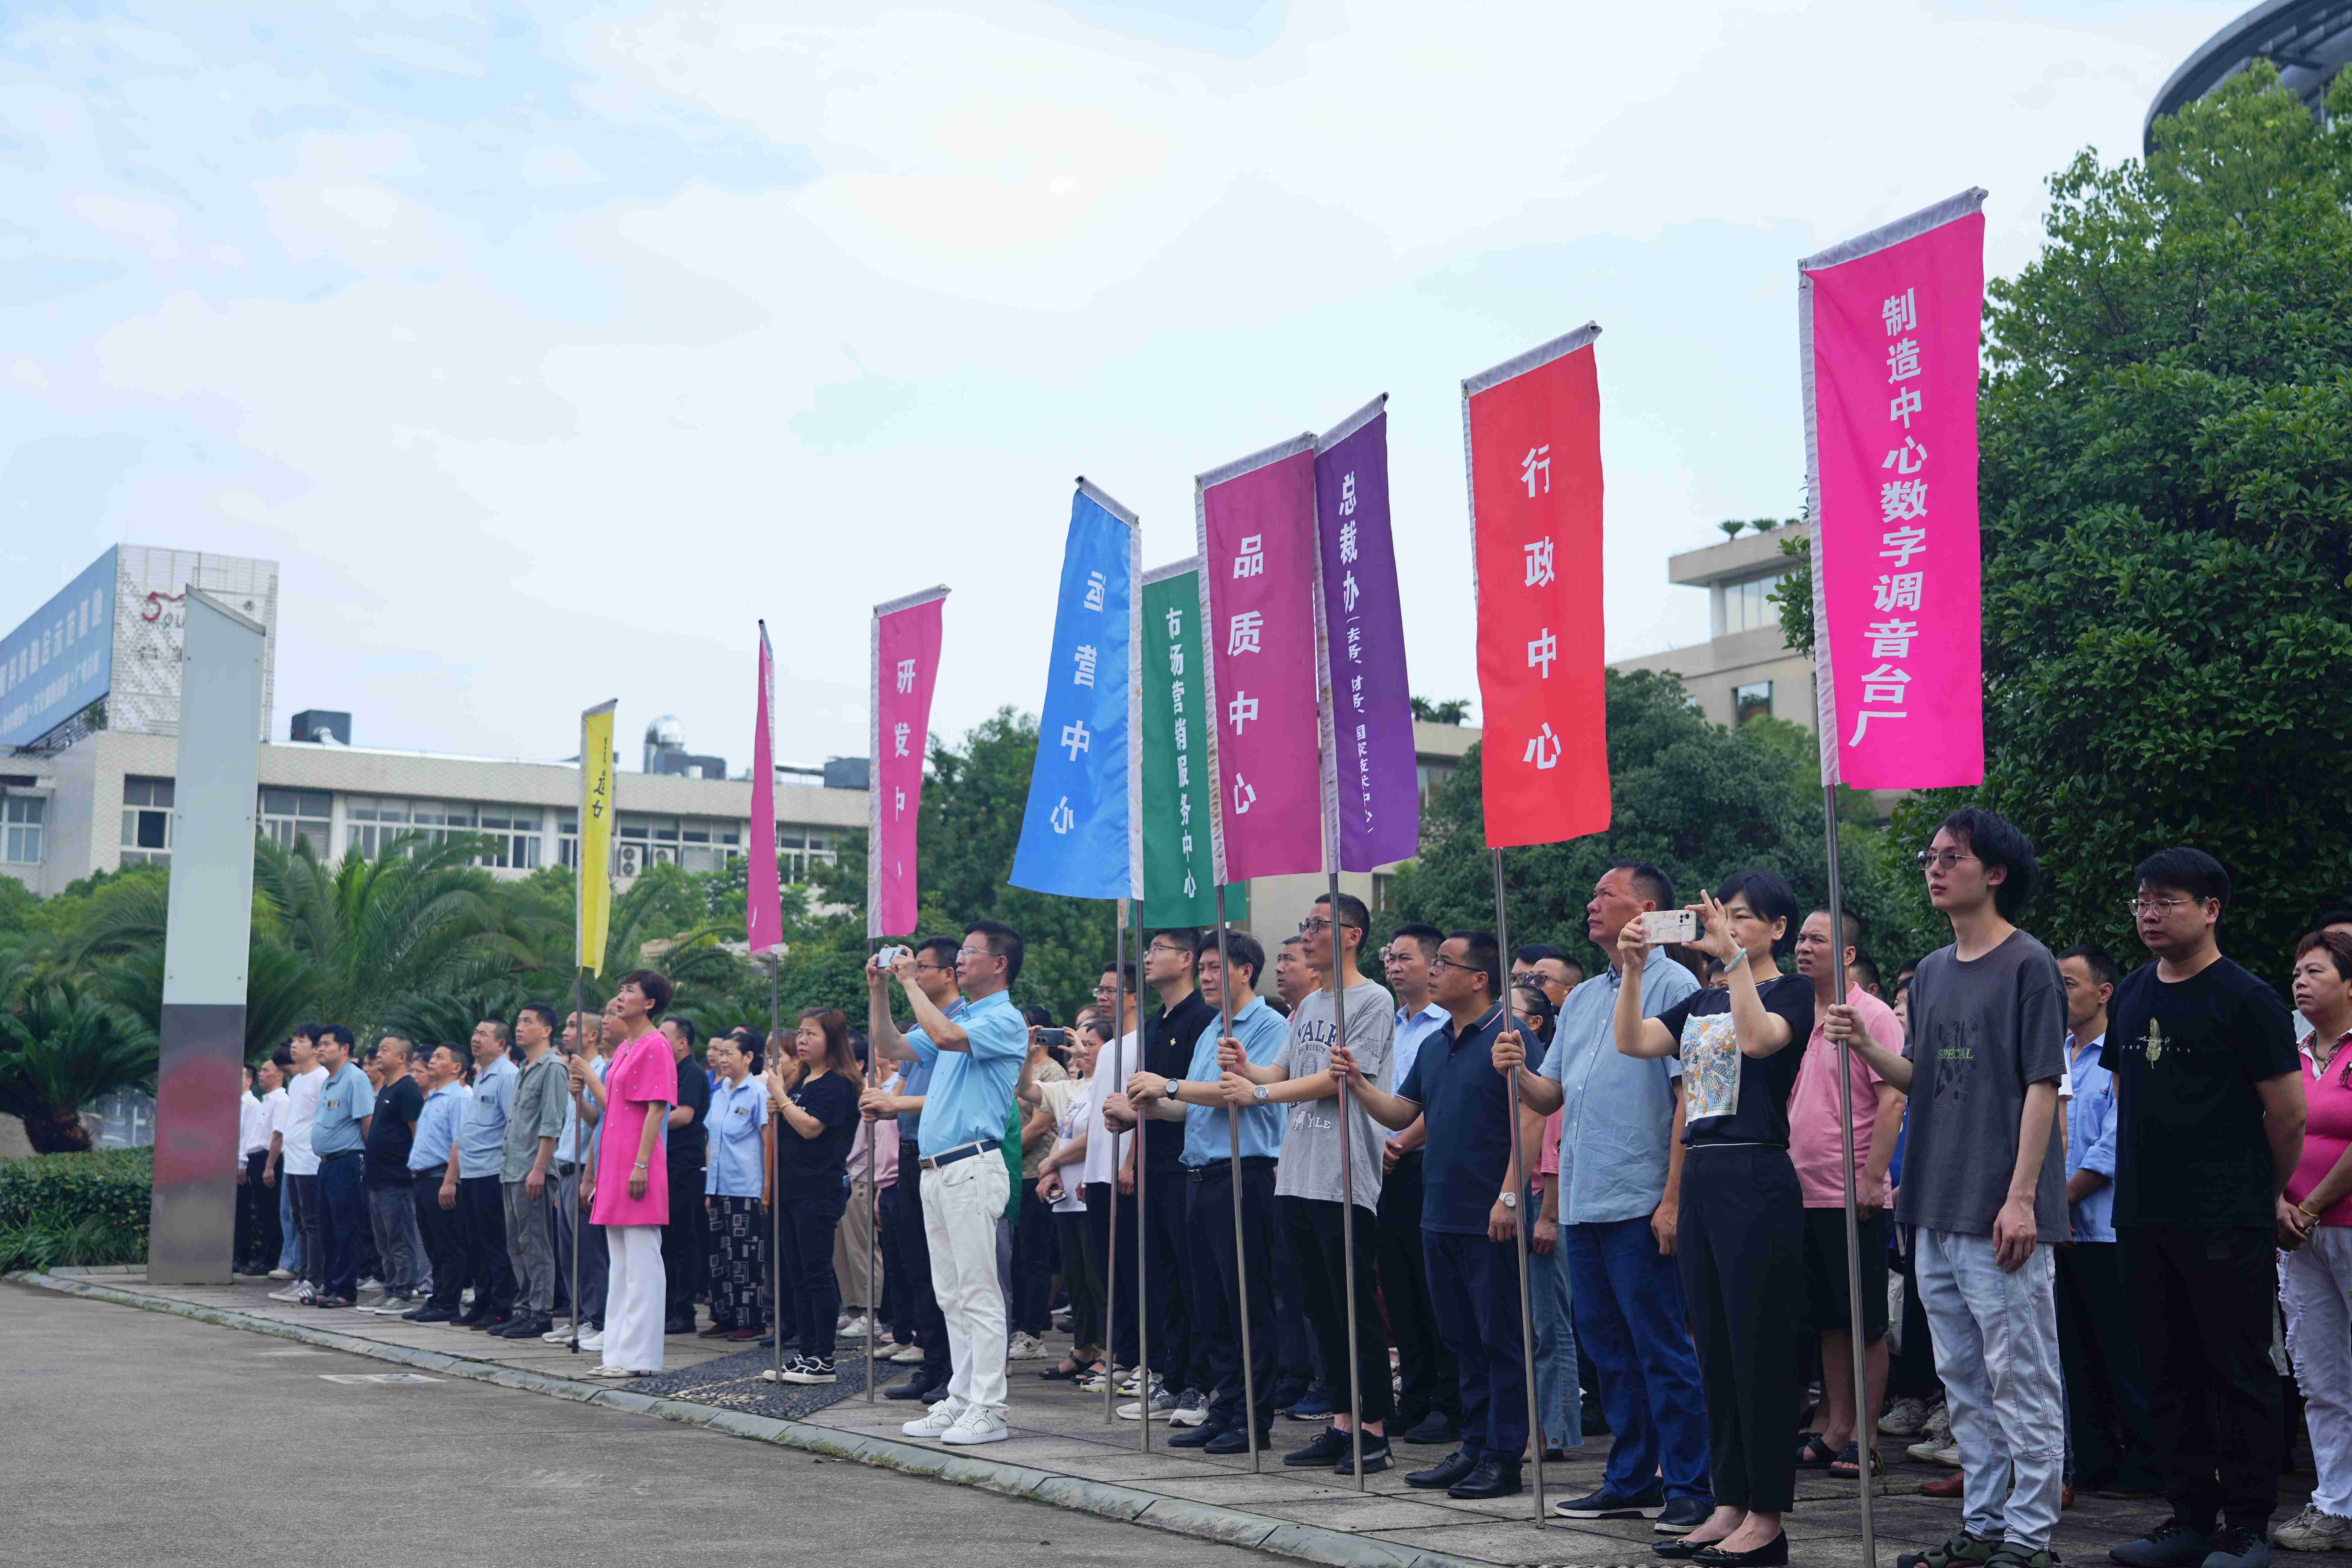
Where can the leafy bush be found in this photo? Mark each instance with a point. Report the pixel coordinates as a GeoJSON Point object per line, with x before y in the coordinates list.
{"type": "Point", "coordinates": [75, 1209]}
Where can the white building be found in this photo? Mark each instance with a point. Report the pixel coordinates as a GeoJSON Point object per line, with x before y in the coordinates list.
{"type": "Point", "coordinates": [1743, 670]}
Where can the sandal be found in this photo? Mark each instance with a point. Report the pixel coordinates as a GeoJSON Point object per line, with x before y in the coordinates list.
{"type": "Point", "coordinates": [1847, 1466]}
{"type": "Point", "coordinates": [1069, 1370]}
{"type": "Point", "coordinates": [1815, 1455]}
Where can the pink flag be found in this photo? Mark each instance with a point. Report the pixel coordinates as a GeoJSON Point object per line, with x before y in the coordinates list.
{"type": "Point", "coordinates": [1256, 520]}
{"type": "Point", "coordinates": [763, 902]}
{"type": "Point", "coordinates": [906, 665]}
{"type": "Point", "coordinates": [1890, 328]}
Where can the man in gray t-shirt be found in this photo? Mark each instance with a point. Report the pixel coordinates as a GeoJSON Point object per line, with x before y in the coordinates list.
{"type": "Point", "coordinates": [1310, 1139]}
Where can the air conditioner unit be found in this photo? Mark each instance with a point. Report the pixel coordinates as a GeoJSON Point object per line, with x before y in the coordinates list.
{"type": "Point", "coordinates": [666, 853]}
{"type": "Point", "coordinates": [629, 859]}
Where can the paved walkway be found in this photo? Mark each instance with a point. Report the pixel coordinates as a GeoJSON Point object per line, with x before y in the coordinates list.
{"type": "Point", "coordinates": [1063, 1450]}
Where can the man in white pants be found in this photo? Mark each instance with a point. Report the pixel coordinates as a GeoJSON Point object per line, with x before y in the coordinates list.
{"type": "Point", "coordinates": [975, 1049]}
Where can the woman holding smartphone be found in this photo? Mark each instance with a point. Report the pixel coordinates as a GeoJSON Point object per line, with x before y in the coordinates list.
{"type": "Point", "coordinates": [1742, 1213]}
{"type": "Point", "coordinates": [813, 1096]}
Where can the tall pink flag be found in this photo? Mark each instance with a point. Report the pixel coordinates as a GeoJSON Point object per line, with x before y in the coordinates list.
{"type": "Point", "coordinates": [763, 902]}
{"type": "Point", "coordinates": [906, 665]}
{"type": "Point", "coordinates": [1256, 520]}
{"type": "Point", "coordinates": [1890, 323]}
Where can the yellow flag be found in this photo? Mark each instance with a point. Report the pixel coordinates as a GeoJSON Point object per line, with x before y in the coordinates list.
{"type": "Point", "coordinates": [595, 910]}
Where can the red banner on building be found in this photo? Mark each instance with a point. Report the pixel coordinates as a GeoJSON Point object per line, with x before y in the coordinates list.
{"type": "Point", "coordinates": [1531, 437]}
{"type": "Point", "coordinates": [907, 633]}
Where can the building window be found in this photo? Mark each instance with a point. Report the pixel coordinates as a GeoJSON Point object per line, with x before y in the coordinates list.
{"type": "Point", "coordinates": [567, 841]}
{"type": "Point", "coordinates": [146, 822]}
{"type": "Point", "coordinates": [1746, 607]}
{"type": "Point", "coordinates": [799, 849]}
{"type": "Point", "coordinates": [1383, 891]}
{"type": "Point", "coordinates": [300, 815]}
{"type": "Point", "coordinates": [21, 819]}
{"type": "Point", "coordinates": [1753, 700]}
{"type": "Point", "coordinates": [515, 838]}
{"type": "Point", "coordinates": [1433, 777]}
{"type": "Point", "coordinates": [709, 843]}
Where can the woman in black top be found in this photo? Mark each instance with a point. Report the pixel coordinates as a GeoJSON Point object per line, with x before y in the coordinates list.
{"type": "Point", "coordinates": [814, 1097]}
{"type": "Point", "coordinates": [1742, 1216]}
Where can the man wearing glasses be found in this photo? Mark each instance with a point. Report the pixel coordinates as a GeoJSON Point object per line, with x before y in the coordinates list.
{"type": "Point", "coordinates": [2209, 1128]}
{"type": "Point", "coordinates": [1182, 1371]}
{"type": "Point", "coordinates": [1548, 969]}
{"type": "Point", "coordinates": [1429, 1398]}
{"type": "Point", "coordinates": [933, 966]}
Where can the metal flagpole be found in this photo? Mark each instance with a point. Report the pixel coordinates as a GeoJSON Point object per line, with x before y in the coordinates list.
{"type": "Point", "coordinates": [1117, 1040]}
{"type": "Point", "coordinates": [1864, 1418]}
{"type": "Point", "coordinates": [1240, 1253]}
{"type": "Point", "coordinates": [776, 1194]}
{"type": "Point", "coordinates": [1347, 1190]}
{"type": "Point", "coordinates": [580, 1022]}
{"type": "Point", "coordinates": [1142, 1227]}
{"type": "Point", "coordinates": [1519, 1178]}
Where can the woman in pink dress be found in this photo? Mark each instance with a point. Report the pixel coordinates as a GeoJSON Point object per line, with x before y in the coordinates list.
{"type": "Point", "coordinates": [631, 1182]}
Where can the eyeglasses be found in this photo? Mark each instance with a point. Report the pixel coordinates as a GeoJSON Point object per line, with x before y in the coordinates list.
{"type": "Point", "coordinates": [2159, 906]}
{"type": "Point", "coordinates": [937, 968]}
{"type": "Point", "coordinates": [1314, 924]}
{"type": "Point", "coordinates": [1946, 858]}
{"type": "Point", "coordinates": [1175, 948]}
{"type": "Point", "coordinates": [1441, 962]}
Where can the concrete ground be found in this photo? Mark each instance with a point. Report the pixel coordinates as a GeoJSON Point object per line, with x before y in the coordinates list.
{"type": "Point", "coordinates": [133, 1438]}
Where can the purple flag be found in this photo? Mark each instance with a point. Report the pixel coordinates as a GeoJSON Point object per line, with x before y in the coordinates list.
{"type": "Point", "coordinates": [1371, 784]}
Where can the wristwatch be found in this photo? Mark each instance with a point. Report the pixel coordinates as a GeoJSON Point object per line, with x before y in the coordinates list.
{"type": "Point", "coordinates": [1173, 1085]}
{"type": "Point", "coordinates": [1508, 1200]}
{"type": "Point", "coordinates": [1259, 1093]}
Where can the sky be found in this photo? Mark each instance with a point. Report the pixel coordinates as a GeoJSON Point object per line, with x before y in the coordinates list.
{"type": "Point", "coordinates": [549, 348]}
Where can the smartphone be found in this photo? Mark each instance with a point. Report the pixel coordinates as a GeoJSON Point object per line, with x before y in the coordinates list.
{"type": "Point", "coordinates": [1669, 925]}
{"type": "Point", "coordinates": [887, 956]}
{"type": "Point", "coordinates": [1054, 1038]}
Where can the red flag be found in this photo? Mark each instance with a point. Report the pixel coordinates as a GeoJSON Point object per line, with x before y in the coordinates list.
{"type": "Point", "coordinates": [764, 904]}
{"type": "Point", "coordinates": [907, 633]}
{"type": "Point", "coordinates": [1531, 434]}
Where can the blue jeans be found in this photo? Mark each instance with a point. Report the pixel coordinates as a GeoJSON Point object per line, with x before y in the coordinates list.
{"type": "Point", "coordinates": [1559, 1398]}
{"type": "Point", "coordinates": [1474, 1288]}
{"type": "Point", "coordinates": [1996, 1336]}
{"type": "Point", "coordinates": [290, 1246]}
{"type": "Point", "coordinates": [342, 1222]}
{"type": "Point", "coordinates": [1629, 1313]}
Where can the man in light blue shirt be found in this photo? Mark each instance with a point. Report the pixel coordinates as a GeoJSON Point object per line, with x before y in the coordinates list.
{"type": "Point", "coordinates": [976, 1051]}
{"type": "Point", "coordinates": [473, 1179]}
{"type": "Point", "coordinates": [934, 968]}
{"type": "Point", "coordinates": [339, 1138]}
{"type": "Point", "coordinates": [1617, 1196]}
{"type": "Point", "coordinates": [442, 1225]}
{"type": "Point", "coordinates": [2115, 1445]}
{"type": "Point", "coordinates": [1428, 1391]}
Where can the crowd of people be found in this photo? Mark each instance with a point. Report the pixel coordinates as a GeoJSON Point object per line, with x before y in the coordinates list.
{"type": "Point", "coordinates": [2118, 1206]}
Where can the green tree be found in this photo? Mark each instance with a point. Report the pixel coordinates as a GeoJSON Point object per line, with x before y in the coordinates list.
{"type": "Point", "coordinates": [61, 1048]}
{"type": "Point", "coordinates": [118, 943]}
{"type": "Point", "coordinates": [1453, 711]}
{"type": "Point", "coordinates": [2166, 432]}
{"type": "Point", "coordinates": [1690, 797]}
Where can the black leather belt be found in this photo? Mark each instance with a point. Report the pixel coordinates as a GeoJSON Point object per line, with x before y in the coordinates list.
{"type": "Point", "coordinates": [965, 1151]}
{"type": "Point", "coordinates": [1224, 1167]}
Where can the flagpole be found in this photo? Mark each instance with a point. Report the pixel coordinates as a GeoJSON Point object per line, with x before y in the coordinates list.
{"type": "Point", "coordinates": [1240, 1253]}
{"type": "Point", "coordinates": [580, 1022]}
{"type": "Point", "coordinates": [1347, 1190]}
{"type": "Point", "coordinates": [1519, 1182]}
{"type": "Point", "coordinates": [1117, 1043]}
{"type": "Point", "coordinates": [1864, 1418]}
{"type": "Point", "coordinates": [776, 1199]}
{"type": "Point", "coordinates": [874, 1220]}
{"type": "Point", "coordinates": [1142, 1227]}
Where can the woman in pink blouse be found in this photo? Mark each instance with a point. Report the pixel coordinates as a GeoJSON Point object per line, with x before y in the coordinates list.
{"type": "Point", "coordinates": [631, 1182]}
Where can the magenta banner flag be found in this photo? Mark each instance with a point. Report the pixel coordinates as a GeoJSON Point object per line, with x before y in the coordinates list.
{"type": "Point", "coordinates": [906, 667]}
{"type": "Point", "coordinates": [1890, 325]}
{"type": "Point", "coordinates": [763, 901]}
{"type": "Point", "coordinates": [1371, 779]}
{"type": "Point", "coordinates": [1255, 521]}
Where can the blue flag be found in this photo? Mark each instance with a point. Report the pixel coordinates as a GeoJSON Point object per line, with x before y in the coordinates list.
{"type": "Point", "coordinates": [1078, 833]}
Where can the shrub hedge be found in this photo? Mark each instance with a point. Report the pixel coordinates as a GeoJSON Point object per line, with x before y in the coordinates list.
{"type": "Point", "coordinates": [75, 1209]}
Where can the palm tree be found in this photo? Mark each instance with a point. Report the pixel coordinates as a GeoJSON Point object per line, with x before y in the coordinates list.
{"type": "Point", "coordinates": [1732, 526]}
{"type": "Point", "coordinates": [121, 946]}
{"type": "Point", "coordinates": [60, 1048]}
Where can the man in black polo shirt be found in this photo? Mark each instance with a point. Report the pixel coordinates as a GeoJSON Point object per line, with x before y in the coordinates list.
{"type": "Point", "coordinates": [1170, 966]}
{"type": "Point", "coordinates": [391, 1203]}
{"type": "Point", "coordinates": [1469, 1212]}
{"type": "Point", "coordinates": [686, 1240]}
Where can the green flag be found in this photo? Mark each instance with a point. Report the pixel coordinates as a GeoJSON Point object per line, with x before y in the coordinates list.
{"type": "Point", "coordinates": [1177, 735]}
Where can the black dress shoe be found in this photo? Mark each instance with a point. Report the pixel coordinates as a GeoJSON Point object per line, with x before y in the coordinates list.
{"type": "Point", "coordinates": [1773, 1553]}
{"type": "Point", "coordinates": [1677, 1550]}
{"type": "Point", "coordinates": [1233, 1440]}
{"type": "Point", "coordinates": [1436, 1427]}
{"type": "Point", "coordinates": [916, 1388]}
{"type": "Point", "coordinates": [1493, 1477]}
{"type": "Point", "coordinates": [1330, 1446]}
{"type": "Point", "coordinates": [429, 1314]}
{"type": "Point", "coordinates": [1444, 1473]}
{"type": "Point", "coordinates": [1199, 1436]}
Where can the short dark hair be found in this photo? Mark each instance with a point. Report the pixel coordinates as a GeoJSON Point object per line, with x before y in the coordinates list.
{"type": "Point", "coordinates": [1534, 953]}
{"type": "Point", "coordinates": [1428, 936]}
{"type": "Point", "coordinates": [2102, 964]}
{"type": "Point", "coordinates": [1483, 956]}
{"type": "Point", "coordinates": [2335, 944]}
{"type": "Point", "coordinates": [1038, 1017]}
{"type": "Point", "coordinates": [1188, 936]}
{"type": "Point", "coordinates": [2338, 916]}
{"type": "Point", "coordinates": [1350, 910]}
{"type": "Point", "coordinates": [248, 1072]}
{"type": "Point", "coordinates": [339, 1033]}
{"type": "Point", "coordinates": [499, 1029]}
{"type": "Point", "coordinates": [457, 1057]}
{"type": "Point", "coordinates": [1575, 966]}
{"type": "Point", "coordinates": [545, 1013]}
{"type": "Point", "coordinates": [1863, 973]}
{"type": "Point", "coordinates": [685, 1027]}
{"type": "Point", "coordinates": [309, 1032]}
{"type": "Point", "coordinates": [2002, 845]}
{"type": "Point", "coordinates": [1125, 971]}
{"type": "Point", "coordinates": [1246, 951]}
{"type": "Point", "coordinates": [655, 986]}
{"type": "Point", "coordinates": [1769, 896]}
{"type": "Point", "coordinates": [2183, 869]}
{"type": "Point", "coordinates": [1853, 923]}
{"type": "Point", "coordinates": [942, 949]}
{"type": "Point", "coordinates": [1002, 943]}
{"type": "Point", "coordinates": [1648, 880]}
{"type": "Point", "coordinates": [283, 1057]}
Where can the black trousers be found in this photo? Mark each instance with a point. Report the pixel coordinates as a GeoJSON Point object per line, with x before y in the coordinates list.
{"type": "Point", "coordinates": [686, 1242]}
{"type": "Point", "coordinates": [302, 1202]}
{"type": "Point", "coordinates": [342, 1222]}
{"type": "Point", "coordinates": [1430, 1379]}
{"type": "Point", "coordinates": [915, 1268]}
{"type": "Point", "coordinates": [256, 1236]}
{"type": "Point", "coordinates": [1318, 1239]}
{"type": "Point", "coordinates": [1167, 1234]}
{"type": "Point", "coordinates": [1295, 1353]}
{"type": "Point", "coordinates": [2106, 1399]}
{"type": "Point", "coordinates": [1219, 1304]}
{"type": "Point", "coordinates": [1031, 1308]}
{"type": "Point", "coordinates": [1082, 1274]}
{"type": "Point", "coordinates": [2201, 1300]}
{"type": "Point", "coordinates": [812, 1295]}
{"type": "Point", "coordinates": [1474, 1284]}
{"type": "Point", "coordinates": [487, 1263]}
{"type": "Point", "coordinates": [1743, 1285]}
{"type": "Point", "coordinates": [1116, 1285]}
{"type": "Point", "coordinates": [444, 1233]}
{"type": "Point", "coordinates": [895, 1314]}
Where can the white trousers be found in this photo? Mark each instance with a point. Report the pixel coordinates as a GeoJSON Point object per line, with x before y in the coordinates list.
{"type": "Point", "coordinates": [961, 1203]}
{"type": "Point", "coordinates": [2316, 1279]}
{"type": "Point", "coordinates": [634, 1297]}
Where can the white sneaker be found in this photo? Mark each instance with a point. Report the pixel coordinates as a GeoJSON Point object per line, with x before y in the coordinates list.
{"type": "Point", "coordinates": [613, 1373]}
{"type": "Point", "coordinates": [905, 1355]}
{"type": "Point", "coordinates": [594, 1340]}
{"type": "Point", "coordinates": [371, 1283]}
{"type": "Point", "coordinates": [1191, 1409]}
{"type": "Point", "coordinates": [1945, 1454]}
{"type": "Point", "coordinates": [978, 1424]}
{"type": "Point", "coordinates": [936, 1421]}
{"type": "Point", "coordinates": [558, 1334]}
{"type": "Point", "coordinates": [1904, 1417]}
{"type": "Point", "coordinates": [1025, 1347]}
{"type": "Point", "coordinates": [281, 1274]}
{"type": "Point", "coordinates": [855, 1328]}
{"type": "Point", "coordinates": [2314, 1530]}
